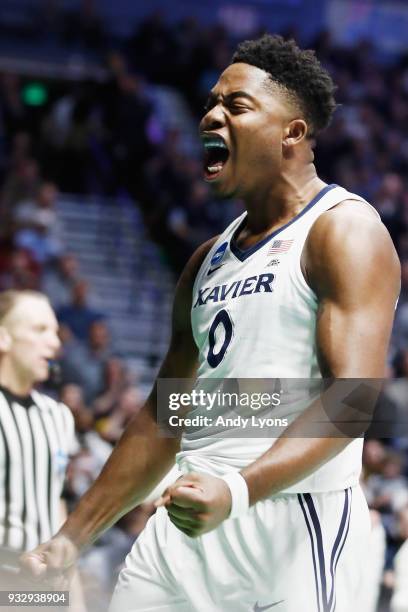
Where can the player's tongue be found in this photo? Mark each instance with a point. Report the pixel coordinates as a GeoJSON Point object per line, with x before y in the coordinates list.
{"type": "Point", "coordinates": [215, 157]}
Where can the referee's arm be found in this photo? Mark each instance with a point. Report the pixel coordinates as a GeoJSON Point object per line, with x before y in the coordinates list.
{"type": "Point", "coordinates": [140, 459]}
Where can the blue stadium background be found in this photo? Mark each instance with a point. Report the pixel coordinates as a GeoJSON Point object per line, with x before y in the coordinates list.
{"type": "Point", "coordinates": [102, 200]}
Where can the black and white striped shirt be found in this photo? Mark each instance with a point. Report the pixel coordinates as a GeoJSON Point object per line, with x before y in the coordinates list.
{"type": "Point", "coordinates": [37, 437]}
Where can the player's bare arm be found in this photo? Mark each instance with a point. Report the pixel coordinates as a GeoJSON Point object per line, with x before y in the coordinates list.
{"type": "Point", "coordinates": [353, 268]}
{"type": "Point", "coordinates": [141, 457]}
{"type": "Point", "coordinates": [351, 264]}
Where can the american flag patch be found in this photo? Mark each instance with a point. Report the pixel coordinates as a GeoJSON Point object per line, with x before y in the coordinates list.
{"type": "Point", "coordinates": [280, 246]}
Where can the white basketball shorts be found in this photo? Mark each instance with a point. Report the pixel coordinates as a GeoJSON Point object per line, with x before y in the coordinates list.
{"type": "Point", "coordinates": [289, 553]}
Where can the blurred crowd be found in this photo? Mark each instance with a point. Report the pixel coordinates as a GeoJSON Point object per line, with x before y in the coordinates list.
{"type": "Point", "coordinates": [106, 137]}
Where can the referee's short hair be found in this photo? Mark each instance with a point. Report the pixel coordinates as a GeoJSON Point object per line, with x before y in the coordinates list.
{"type": "Point", "coordinates": [10, 297]}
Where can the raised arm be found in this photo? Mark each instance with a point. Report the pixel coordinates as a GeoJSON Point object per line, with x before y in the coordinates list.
{"type": "Point", "coordinates": [141, 457]}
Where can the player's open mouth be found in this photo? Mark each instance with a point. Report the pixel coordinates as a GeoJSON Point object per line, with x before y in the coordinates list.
{"type": "Point", "coordinates": [216, 155]}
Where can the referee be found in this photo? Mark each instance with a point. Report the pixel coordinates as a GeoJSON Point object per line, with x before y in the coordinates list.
{"type": "Point", "coordinates": [36, 433]}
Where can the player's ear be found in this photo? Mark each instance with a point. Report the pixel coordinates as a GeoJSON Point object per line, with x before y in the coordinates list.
{"type": "Point", "coordinates": [5, 340]}
{"type": "Point", "coordinates": [295, 132]}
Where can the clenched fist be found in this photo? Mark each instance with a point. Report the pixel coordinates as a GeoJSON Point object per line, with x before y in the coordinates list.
{"type": "Point", "coordinates": [197, 503]}
{"type": "Point", "coordinates": [52, 562]}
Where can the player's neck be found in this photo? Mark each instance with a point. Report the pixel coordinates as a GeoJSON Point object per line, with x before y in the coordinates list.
{"type": "Point", "coordinates": [14, 381]}
{"type": "Point", "coordinates": [282, 201]}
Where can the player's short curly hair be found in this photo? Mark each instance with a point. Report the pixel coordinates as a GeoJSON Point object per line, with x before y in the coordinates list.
{"type": "Point", "coordinates": [296, 70]}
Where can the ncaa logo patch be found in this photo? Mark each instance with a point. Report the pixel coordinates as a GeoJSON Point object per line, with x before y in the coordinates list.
{"type": "Point", "coordinates": [219, 254]}
{"type": "Point", "coordinates": [217, 257]}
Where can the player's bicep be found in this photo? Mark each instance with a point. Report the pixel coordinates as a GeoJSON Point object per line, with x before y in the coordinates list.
{"type": "Point", "coordinates": [356, 275]}
{"type": "Point", "coordinates": [352, 343]}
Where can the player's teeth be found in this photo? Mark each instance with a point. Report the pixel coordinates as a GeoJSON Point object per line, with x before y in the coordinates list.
{"type": "Point", "coordinates": [210, 144]}
{"type": "Point", "coordinates": [214, 168]}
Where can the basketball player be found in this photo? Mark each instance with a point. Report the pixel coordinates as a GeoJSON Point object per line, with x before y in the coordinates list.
{"type": "Point", "coordinates": [302, 285]}
{"type": "Point", "coordinates": [36, 433]}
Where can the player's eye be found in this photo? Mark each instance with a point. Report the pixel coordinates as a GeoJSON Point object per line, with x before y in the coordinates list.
{"type": "Point", "coordinates": [240, 103]}
{"type": "Point", "coordinates": [238, 108]}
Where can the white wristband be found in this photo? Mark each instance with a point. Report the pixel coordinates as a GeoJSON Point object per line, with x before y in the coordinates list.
{"type": "Point", "coordinates": [239, 494]}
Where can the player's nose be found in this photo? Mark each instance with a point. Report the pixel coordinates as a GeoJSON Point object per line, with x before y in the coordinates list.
{"type": "Point", "coordinates": [213, 119]}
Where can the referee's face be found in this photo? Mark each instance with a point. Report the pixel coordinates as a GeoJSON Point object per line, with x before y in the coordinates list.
{"type": "Point", "coordinates": [33, 340]}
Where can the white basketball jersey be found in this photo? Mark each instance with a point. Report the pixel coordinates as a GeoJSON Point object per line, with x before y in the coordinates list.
{"type": "Point", "coordinates": [254, 316]}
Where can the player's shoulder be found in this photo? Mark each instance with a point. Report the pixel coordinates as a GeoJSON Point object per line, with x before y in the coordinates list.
{"type": "Point", "coordinates": [196, 260]}
{"type": "Point", "coordinates": [350, 211]}
{"type": "Point", "coordinates": [349, 236]}
{"type": "Point", "coordinates": [185, 284]}
{"type": "Point", "coordinates": [202, 252]}
{"type": "Point", "coordinates": [351, 224]}
{"type": "Point", "coordinates": [194, 263]}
